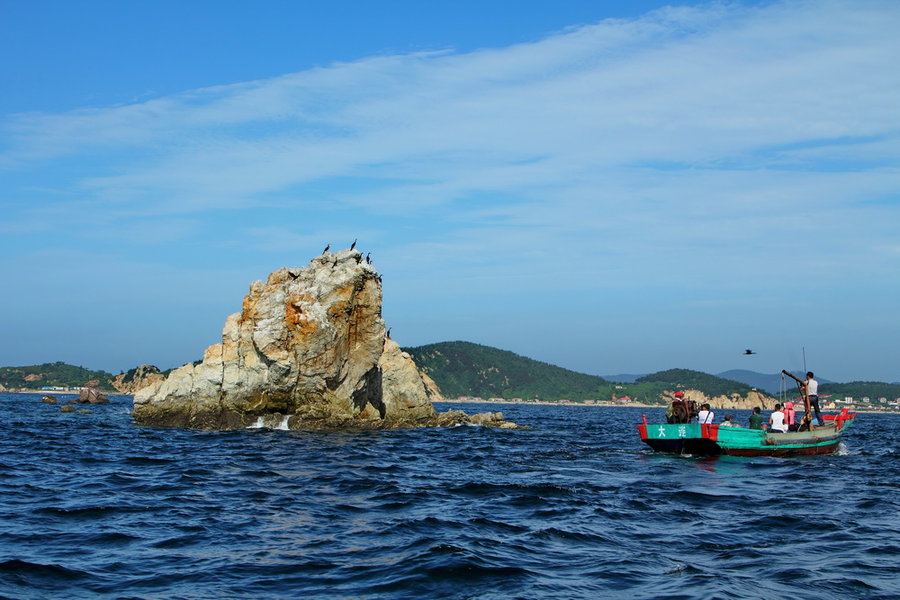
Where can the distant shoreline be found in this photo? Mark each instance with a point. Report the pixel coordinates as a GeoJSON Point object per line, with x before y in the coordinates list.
{"type": "Point", "coordinates": [548, 403]}
{"type": "Point", "coordinates": [455, 401]}
{"type": "Point", "coordinates": [635, 405]}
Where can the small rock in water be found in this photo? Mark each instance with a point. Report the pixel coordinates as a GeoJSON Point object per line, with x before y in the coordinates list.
{"type": "Point", "coordinates": [67, 408]}
{"type": "Point", "coordinates": [49, 399]}
{"type": "Point", "coordinates": [92, 396]}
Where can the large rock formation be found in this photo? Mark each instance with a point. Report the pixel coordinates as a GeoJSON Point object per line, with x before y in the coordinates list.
{"type": "Point", "coordinates": [137, 378]}
{"type": "Point", "coordinates": [307, 351]}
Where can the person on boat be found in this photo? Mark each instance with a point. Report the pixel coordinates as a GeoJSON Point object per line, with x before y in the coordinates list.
{"type": "Point", "coordinates": [812, 390]}
{"type": "Point", "coordinates": [671, 408]}
{"type": "Point", "coordinates": [790, 416]}
{"type": "Point", "coordinates": [705, 415]}
{"type": "Point", "coordinates": [729, 422]}
{"type": "Point", "coordinates": [776, 420]}
{"type": "Point", "coordinates": [756, 418]}
{"type": "Point", "coordinates": [678, 411]}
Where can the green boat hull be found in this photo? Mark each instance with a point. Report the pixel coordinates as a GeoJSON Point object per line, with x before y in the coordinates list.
{"type": "Point", "coordinates": [714, 440]}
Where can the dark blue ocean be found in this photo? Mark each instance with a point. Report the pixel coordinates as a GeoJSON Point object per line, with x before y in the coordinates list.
{"type": "Point", "coordinates": [575, 507]}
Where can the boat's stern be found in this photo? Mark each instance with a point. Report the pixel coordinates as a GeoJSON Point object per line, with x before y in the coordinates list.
{"type": "Point", "coordinates": [841, 420]}
{"type": "Point", "coordinates": [680, 438]}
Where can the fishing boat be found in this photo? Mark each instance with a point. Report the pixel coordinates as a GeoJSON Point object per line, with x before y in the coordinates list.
{"type": "Point", "coordinates": [714, 440]}
{"type": "Point", "coordinates": [685, 437]}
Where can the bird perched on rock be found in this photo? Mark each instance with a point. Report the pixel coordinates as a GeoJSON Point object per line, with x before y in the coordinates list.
{"type": "Point", "coordinates": [368, 258]}
{"type": "Point", "coordinates": [353, 245]}
{"type": "Point", "coordinates": [327, 248]}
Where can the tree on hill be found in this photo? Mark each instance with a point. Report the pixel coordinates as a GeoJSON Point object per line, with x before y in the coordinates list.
{"type": "Point", "coordinates": [859, 389]}
{"type": "Point", "coordinates": [57, 374]}
{"type": "Point", "coordinates": [468, 369]}
{"type": "Point", "coordinates": [696, 380]}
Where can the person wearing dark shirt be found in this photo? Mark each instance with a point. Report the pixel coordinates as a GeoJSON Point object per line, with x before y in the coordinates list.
{"type": "Point", "coordinates": [756, 419]}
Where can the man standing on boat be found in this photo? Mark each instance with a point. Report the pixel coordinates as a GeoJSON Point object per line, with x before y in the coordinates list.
{"type": "Point", "coordinates": [812, 390]}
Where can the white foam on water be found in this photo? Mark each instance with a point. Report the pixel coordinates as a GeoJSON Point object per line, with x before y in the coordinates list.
{"type": "Point", "coordinates": [284, 423]}
{"type": "Point", "coordinates": [260, 423]}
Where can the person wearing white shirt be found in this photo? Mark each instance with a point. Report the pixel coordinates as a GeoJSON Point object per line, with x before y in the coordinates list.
{"type": "Point", "coordinates": [776, 420]}
{"type": "Point", "coordinates": [705, 415]}
{"type": "Point", "coordinates": [812, 390]}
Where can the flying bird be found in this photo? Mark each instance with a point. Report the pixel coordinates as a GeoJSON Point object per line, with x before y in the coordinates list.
{"type": "Point", "coordinates": [748, 351]}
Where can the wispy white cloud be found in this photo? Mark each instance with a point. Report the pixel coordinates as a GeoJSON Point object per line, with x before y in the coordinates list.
{"type": "Point", "coordinates": [705, 86]}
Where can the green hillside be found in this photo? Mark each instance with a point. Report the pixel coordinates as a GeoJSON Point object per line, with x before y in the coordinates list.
{"type": "Point", "coordinates": [696, 380]}
{"type": "Point", "coordinates": [859, 389]}
{"type": "Point", "coordinates": [467, 369]}
{"type": "Point", "coordinates": [51, 374]}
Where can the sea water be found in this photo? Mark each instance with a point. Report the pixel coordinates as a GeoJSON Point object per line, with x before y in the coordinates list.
{"type": "Point", "coordinates": [94, 506]}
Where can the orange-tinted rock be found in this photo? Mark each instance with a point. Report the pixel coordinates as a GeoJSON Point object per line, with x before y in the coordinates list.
{"type": "Point", "coordinates": [137, 378]}
{"type": "Point", "coordinates": [307, 351]}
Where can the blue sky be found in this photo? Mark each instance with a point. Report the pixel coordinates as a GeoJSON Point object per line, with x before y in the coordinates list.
{"type": "Point", "coordinates": [613, 187]}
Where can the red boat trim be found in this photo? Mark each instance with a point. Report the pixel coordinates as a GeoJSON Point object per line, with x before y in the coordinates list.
{"type": "Point", "coordinates": [709, 431]}
{"type": "Point", "coordinates": [642, 428]}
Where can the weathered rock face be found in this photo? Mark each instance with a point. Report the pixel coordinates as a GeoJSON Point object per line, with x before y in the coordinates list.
{"type": "Point", "coordinates": [732, 402]}
{"type": "Point", "coordinates": [308, 350]}
{"type": "Point", "coordinates": [137, 378]}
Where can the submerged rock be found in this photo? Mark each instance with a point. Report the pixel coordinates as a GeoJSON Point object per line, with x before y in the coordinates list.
{"type": "Point", "coordinates": [308, 350]}
{"type": "Point", "coordinates": [91, 396]}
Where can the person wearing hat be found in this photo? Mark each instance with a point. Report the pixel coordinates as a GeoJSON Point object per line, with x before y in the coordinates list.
{"type": "Point", "coordinates": [675, 412]}
{"type": "Point", "coordinates": [790, 416]}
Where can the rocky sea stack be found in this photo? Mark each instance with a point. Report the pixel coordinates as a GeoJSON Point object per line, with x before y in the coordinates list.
{"type": "Point", "coordinates": [308, 350]}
